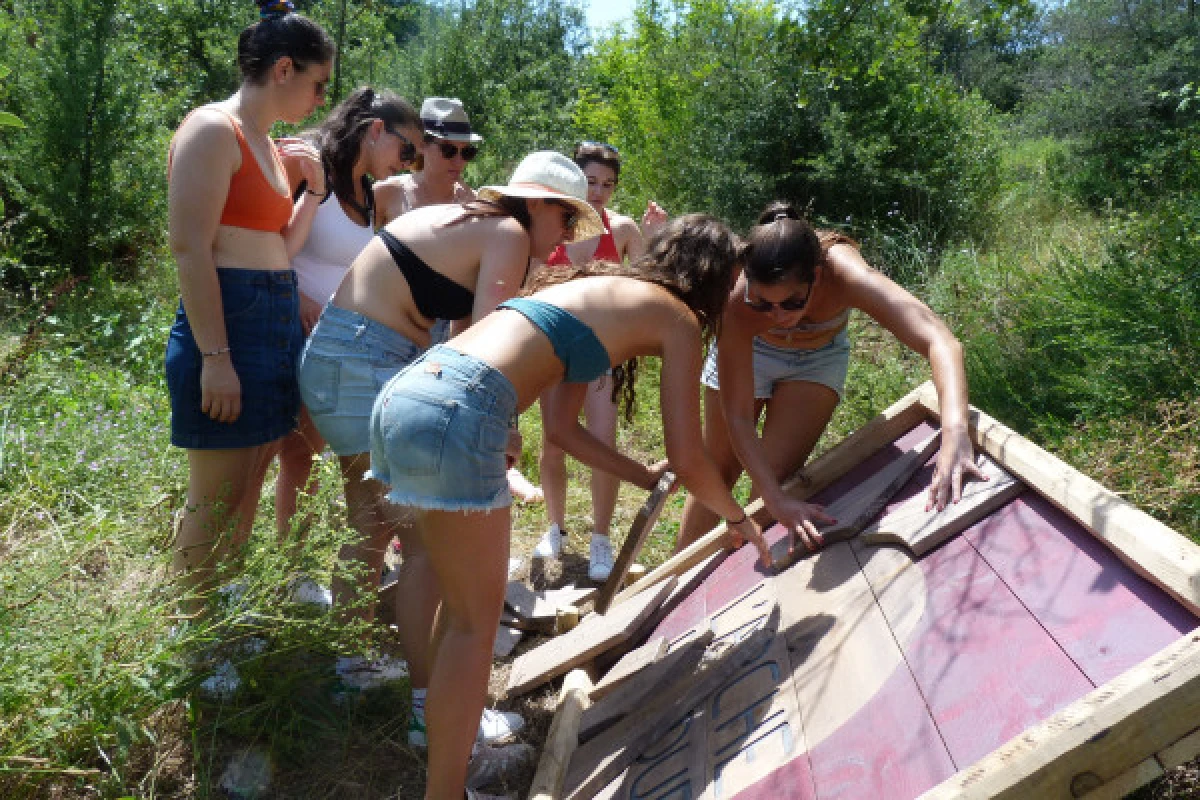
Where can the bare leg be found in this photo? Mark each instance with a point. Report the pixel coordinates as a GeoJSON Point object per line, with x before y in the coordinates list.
{"type": "Point", "coordinates": [417, 598]}
{"type": "Point", "coordinates": [601, 415]}
{"type": "Point", "coordinates": [553, 468]}
{"type": "Point", "coordinates": [797, 414]}
{"type": "Point", "coordinates": [473, 595]}
{"type": "Point", "coordinates": [296, 455]}
{"type": "Point", "coordinates": [223, 491]}
{"type": "Point", "coordinates": [698, 520]}
{"type": "Point", "coordinates": [368, 515]}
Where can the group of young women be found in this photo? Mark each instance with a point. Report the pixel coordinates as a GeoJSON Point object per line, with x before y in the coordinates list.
{"type": "Point", "coordinates": [311, 270]}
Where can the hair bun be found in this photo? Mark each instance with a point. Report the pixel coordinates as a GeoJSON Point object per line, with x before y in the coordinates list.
{"type": "Point", "coordinates": [270, 9]}
{"type": "Point", "coordinates": [777, 211]}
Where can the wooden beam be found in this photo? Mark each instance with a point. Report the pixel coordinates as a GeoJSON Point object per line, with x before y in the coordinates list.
{"type": "Point", "coordinates": [1149, 547]}
{"type": "Point", "coordinates": [1095, 739]}
{"type": "Point", "coordinates": [1181, 752]}
{"type": "Point", "coordinates": [562, 739]}
{"type": "Point", "coordinates": [643, 523]}
{"type": "Point", "coordinates": [1129, 781]}
{"type": "Point", "coordinates": [898, 418]}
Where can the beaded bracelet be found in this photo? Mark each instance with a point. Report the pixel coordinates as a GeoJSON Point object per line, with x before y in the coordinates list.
{"type": "Point", "coordinates": [316, 194]}
{"type": "Point", "coordinates": [213, 353]}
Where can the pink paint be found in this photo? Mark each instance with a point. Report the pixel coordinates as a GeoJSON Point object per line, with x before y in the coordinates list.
{"type": "Point", "coordinates": [792, 781]}
{"type": "Point", "coordinates": [1104, 615]}
{"type": "Point", "coordinates": [889, 749]}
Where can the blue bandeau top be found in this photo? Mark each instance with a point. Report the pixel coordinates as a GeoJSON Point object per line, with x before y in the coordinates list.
{"type": "Point", "coordinates": [583, 356]}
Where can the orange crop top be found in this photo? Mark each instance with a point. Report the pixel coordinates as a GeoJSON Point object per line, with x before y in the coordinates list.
{"type": "Point", "coordinates": [252, 202]}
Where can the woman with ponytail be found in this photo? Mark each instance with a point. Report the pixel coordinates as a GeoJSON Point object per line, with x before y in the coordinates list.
{"type": "Point", "coordinates": [369, 137]}
{"type": "Point", "coordinates": [231, 355]}
{"type": "Point", "coordinates": [784, 349]}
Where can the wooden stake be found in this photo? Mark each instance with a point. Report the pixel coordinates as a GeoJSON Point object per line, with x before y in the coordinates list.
{"type": "Point", "coordinates": [562, 739]}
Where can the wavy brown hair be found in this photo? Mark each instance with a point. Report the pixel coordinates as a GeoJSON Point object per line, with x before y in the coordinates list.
{"type": "Point", "coordinates": [694, 257]}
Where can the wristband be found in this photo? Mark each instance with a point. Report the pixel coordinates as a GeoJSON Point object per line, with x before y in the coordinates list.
{"type": "Point", "coordinates": [317, 194]}
{"type": "Point", "coordinates": [213, 353]}
{"type": "Point", "coordinates": [735, 522]}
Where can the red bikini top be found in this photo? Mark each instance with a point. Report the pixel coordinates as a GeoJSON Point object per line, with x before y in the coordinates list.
{"type": "Point", "coordinates": [606, 250]}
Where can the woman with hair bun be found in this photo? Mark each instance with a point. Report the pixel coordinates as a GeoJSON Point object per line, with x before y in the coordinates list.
{"type": "Point", "coordinates": [231, 355]}
{"type": "Point", "coordinates": [784, 350]}
{"type": "Point", "coordinates": [366, 139]}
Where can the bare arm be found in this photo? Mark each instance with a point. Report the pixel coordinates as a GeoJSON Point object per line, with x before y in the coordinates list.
{"type": "Point", "coordinates": [561, 405]}
{"type": "Point", "coordinates": [914, 324]}
{"type": "Point", "coordinates": [204, 157]}
{"type": "Point", "coordinates": [680, 400]}
{"type": "Point", "coordinates": [302, 163]}
{"type": "Point", "coordinates": [501, 267]}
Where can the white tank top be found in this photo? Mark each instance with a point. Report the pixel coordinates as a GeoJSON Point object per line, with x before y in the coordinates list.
{"type": "Point", "coordinates": [333, 243]}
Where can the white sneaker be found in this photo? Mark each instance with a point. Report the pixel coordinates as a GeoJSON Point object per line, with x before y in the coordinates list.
{"type": "Point", "coordinates": [496, 764]}
{"type": "Point", "coordinates": [498, 726]}
{"type": "Point", "coordinates": [474, 795]}
{"type": "Point", "coordinates": [550, 545]}
{"type": "Point", "coordinates": [365, 674]}
{"type": "Point", "coordinates": [514, 566]}
{"type": "Point", "coordinates": [600, 558]}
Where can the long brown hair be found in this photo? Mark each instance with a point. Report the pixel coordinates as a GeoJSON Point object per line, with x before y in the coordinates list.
{"type": "Point", "coordinates": [783, 245]}
{"type": "Point", "coordinates": [694, 257]}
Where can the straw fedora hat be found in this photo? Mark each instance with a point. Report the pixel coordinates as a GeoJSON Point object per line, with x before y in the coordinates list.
{"type": "Point", "coordinates": [445, 118]}
{"type": "Point", "coordinates": [552, 176]}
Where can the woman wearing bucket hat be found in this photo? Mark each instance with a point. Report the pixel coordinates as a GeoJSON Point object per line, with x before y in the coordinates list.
{"type": "Point", "coordinates": [439, 434]}
{"type": "Point", "coordinates": [784, 350]}
{"type": "Point", "coordinates": [452, 262]}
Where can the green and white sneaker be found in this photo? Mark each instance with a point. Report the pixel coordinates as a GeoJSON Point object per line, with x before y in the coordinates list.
{"type": "Point", "coordinates": [416, 732]}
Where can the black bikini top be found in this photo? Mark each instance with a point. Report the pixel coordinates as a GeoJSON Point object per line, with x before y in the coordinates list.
{"type": "Point", "coordinates": [436, 296]}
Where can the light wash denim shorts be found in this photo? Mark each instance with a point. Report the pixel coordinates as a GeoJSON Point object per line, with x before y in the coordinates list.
{"type": "Point", "coordinates": [826, 365]}
{"type": "Point", "coordinates": [347, 360]}
{"type": "Point", "coordinates": [439, 431]}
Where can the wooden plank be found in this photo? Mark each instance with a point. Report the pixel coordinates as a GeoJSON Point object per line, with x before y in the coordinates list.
{"type": "Point", "coordinates": [1181, 752]}
{"type": "Point", "coordinates": [596, 763]}
{"type": "Point", "coordinates": [852, 684]}
{"type": "Point", "coordinates": [595, 634]}
{"type": "Point", "coordinates": [643, 523]}
{"type": "Point", "coordinates": [604, 712]}
{"type": "Point", "coordinates": [525, 603]}
{"type": "Point", "coordinates": [562, 739]}
{"type": "Point", "coordinates": [630, 665]}
{"type": "Point", "coordinates": [921, 530]}
{"type": "Point", "coordinates": [685, 590]}
{"type": "Point", "coordinates": [1128, 781]}
{"type": "Point", "coordinates": [1106, 732]}
{"type": "Point", "coordinates": [1103, 614]}
{"type": "Point", "coordinates": [880, 431]}
{"type": "Point", "coordinates": [1156, 552]}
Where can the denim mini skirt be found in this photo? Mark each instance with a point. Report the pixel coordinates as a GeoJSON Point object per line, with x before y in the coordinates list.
{"type": "Point", "coordinates": [439, 432]}
{"type": "Point", "coordinates": [825, 365]}
{"type": "Point", "coordinates": [262, 326]}
{"type": "Point", "coordinates": [346, 362]}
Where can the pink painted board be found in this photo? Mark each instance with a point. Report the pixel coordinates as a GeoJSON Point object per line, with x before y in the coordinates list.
{"type": "Point", "coordinates": [889, 749]}
{"type": "Point", "coordinates": [1103, 614]}
{"type": "Point", "coordinates": [792, 781]}
{"type": "Point", "coordinates": [987, 668]}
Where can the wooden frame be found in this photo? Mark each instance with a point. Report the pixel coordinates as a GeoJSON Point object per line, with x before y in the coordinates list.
{"type": "Point", "coordinates": [1116, 738]}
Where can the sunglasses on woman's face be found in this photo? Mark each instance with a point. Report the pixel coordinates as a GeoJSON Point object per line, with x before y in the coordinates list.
{"type": "Point", "coordinates": [408, 150]}
{"type": "Point", "coordinates": [450, 150]}
{"type": "Point", "coordinates": [570, 217]}
{"type": "Point", "coordinates": [763, 306]}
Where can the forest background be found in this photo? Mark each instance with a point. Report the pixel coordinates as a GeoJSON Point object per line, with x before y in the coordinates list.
{"type": "Point", "coordinates": [1031, 170]}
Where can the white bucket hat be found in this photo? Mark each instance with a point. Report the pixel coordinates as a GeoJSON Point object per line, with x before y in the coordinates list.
{"type": "Point", "coordinates": [552, 176]}
{"type": "Point", "coordinates": [445, 118]}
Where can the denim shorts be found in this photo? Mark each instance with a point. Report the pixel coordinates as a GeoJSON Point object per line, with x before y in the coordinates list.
{"type": "Point", "coordinates": [826, 365]}
{"type": "Point", "coordinates": [439, 432]}
{"type": "Point", "coordinates": [262, 326]}
{"type": "Point", "coordinates": [346, 362]}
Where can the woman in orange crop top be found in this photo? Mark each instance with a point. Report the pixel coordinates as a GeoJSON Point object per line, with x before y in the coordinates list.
{"type": "Point", "coordinates": [782, 354]}
{"type": "Point", "coordinates": [231, 355]}
{"type": "Point", "coordinates": [621, 240]}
